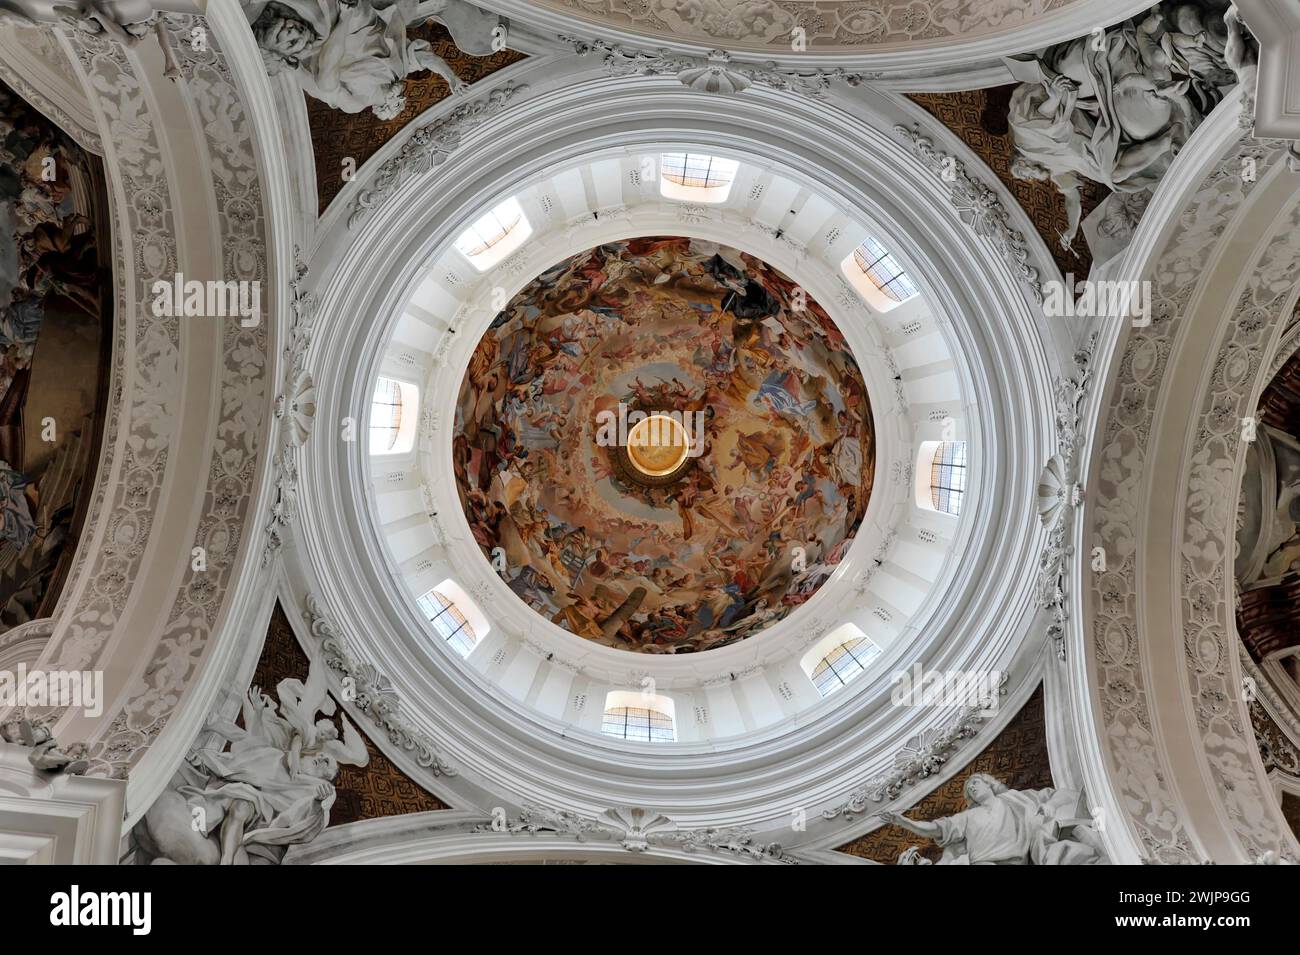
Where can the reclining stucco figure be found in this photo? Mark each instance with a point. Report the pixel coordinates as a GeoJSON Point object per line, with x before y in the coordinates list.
{"type": "Point", "coordinates": [356, 55]}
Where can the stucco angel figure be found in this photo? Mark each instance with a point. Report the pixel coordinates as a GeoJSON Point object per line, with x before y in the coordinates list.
{"type": "Point", "coordinates": [272, 788]}
{"type": "Point", "coordinates": [1117, 106]}
{"type": "Point", "coordinates": [1008, 827]}
{"type": "Point", "coordinates": [355, 54]}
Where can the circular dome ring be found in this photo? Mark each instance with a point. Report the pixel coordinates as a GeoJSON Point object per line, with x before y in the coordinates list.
{"type": "Point", "coordinates": [503, 742]}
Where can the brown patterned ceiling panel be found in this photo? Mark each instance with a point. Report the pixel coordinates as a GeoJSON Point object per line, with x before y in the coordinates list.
{"type": "Point", "coordinates": [979, 119]}
{"type": "Point", "coordinates": [1268, 618]}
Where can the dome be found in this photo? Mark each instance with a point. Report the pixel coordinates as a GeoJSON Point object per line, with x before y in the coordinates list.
{"type": "Point", "coordinates": [757, 487]}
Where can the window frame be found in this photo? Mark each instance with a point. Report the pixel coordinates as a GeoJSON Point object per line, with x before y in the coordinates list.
{"type": "Point", "coordinates": [408, 416]}
{"type": "Point", "coordinates": [672, 186]}
{"type": "Point", "coordinates": [486, 247]}
{"type": "Point", "coordinates": [653, 704]}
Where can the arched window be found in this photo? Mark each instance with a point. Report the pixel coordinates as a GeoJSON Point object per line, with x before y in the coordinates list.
{"type": "Point", "coordinates": [842, 664]}
{"type": "Point", "coordinates": [948, 476]}
{"type": "Point", "coordinates": [494, 235]}
{"type": "Point", "coordinates": [838, 657]}
{"type": "Point", "coordinates": [878, 264]}
{"type": "Point", "coordinates": [448, 620]}
{"type": "Point", "coordinates": [878, 276]}
{"type": "Point", "coordinates": [641, 717]}
{"type": "Point", "coordinates": [394, 408]}
{"type": "Point", "coordinates": [696, 177]}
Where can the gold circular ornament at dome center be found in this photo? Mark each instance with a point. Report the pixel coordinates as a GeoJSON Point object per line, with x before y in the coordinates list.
{"type": "Point", "coordinates": [658, 445]}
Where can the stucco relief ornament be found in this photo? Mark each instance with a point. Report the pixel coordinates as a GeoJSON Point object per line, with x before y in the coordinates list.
{"type": "Point", "coordinates": [128, 22]}
{"type": "Point", "coordinates": [272, 787]}
{"type": "Point", "coordinates": [694, 213]}
{"type": "Point", "coordinates": [430, 418]}
{"type": "Point", "coordinates": [716, 76]}
{"type": "Point", "coordinates": [444, 346]}
{"type": "Point", "coordinates": [734, 840]}
{"type": "Point", "coordinates": [534, 819]}
{"type": "Point", "coordinates": [1003, 826]}
{"type": "Point", "coordinates": [372, 693]}
{"type": "Point", "coordinates": [45, 755]}
{"type": "Point", "coordinates": [716, 73]}
{"type": "Point", "coordinates": [637, 827]}
{"type": "Point", "coordinates": [295, 408]}
{"type": "Point", "coordinates": [923, 756]}
{"type": "Point", "coordinates": [864, 578]}
{"type": "Point", "coordinates": [1117, 108]}
{"type": "Point", "coordinates": [978, 206]}
{"type": "Point", "coordinates": [638, 830]}
{"type": "Point", "coordinates": [431, 510]}
{"type": "Point", "coordinates": [429, 146]}
{"type": "Point", "coordinates": [1059, 494]}
{"type": "Point", "coordinates": [355, 54]}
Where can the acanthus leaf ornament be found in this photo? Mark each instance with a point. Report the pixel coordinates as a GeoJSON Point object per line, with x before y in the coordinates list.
{"type": "Point", "coordinates": [978, 206]}
{"type": "Point", "coordinates": [716, 73]}
{"type": "Point", "coordinates": [1059, 495]}
{"type": "Point", "coordinates": [295, 407]}
{"type": "Point", "coordinates": [430, 146]}
{"type": "Point", "coordinates": [923, 756]}
{"type": "Point", "coordinates": [638, 830]}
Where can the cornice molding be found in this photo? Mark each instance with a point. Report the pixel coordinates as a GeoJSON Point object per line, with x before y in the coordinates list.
{"type": "Point", "coordinates": [924, 756]}
{"type": "Point", "coordinates": [978, 206]}
{"type": "Point", "coordinates": [1275, 24]}
{"type": "Point", "coordinates": [430, 145]}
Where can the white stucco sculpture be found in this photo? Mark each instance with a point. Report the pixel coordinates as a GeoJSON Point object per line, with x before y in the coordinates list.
{"type": "Point", "coordinates": [272, 788]}
{"type": "Point", "coordinates": [1117, 105]}
{"type": "Point", "coordinates": [127, 21]}
{"type": "Point", "coordinates": [45, 753]}
{"type": "Point", "coordinates": [356, 55]}
{"type": "Point", "coordinates": [1008, 827]}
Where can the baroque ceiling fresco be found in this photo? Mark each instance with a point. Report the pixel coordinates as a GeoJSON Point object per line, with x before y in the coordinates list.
{"type": "Point", "coordinates": [53, 359]}
{"type": "Point", "coordinates": [782, 445]}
